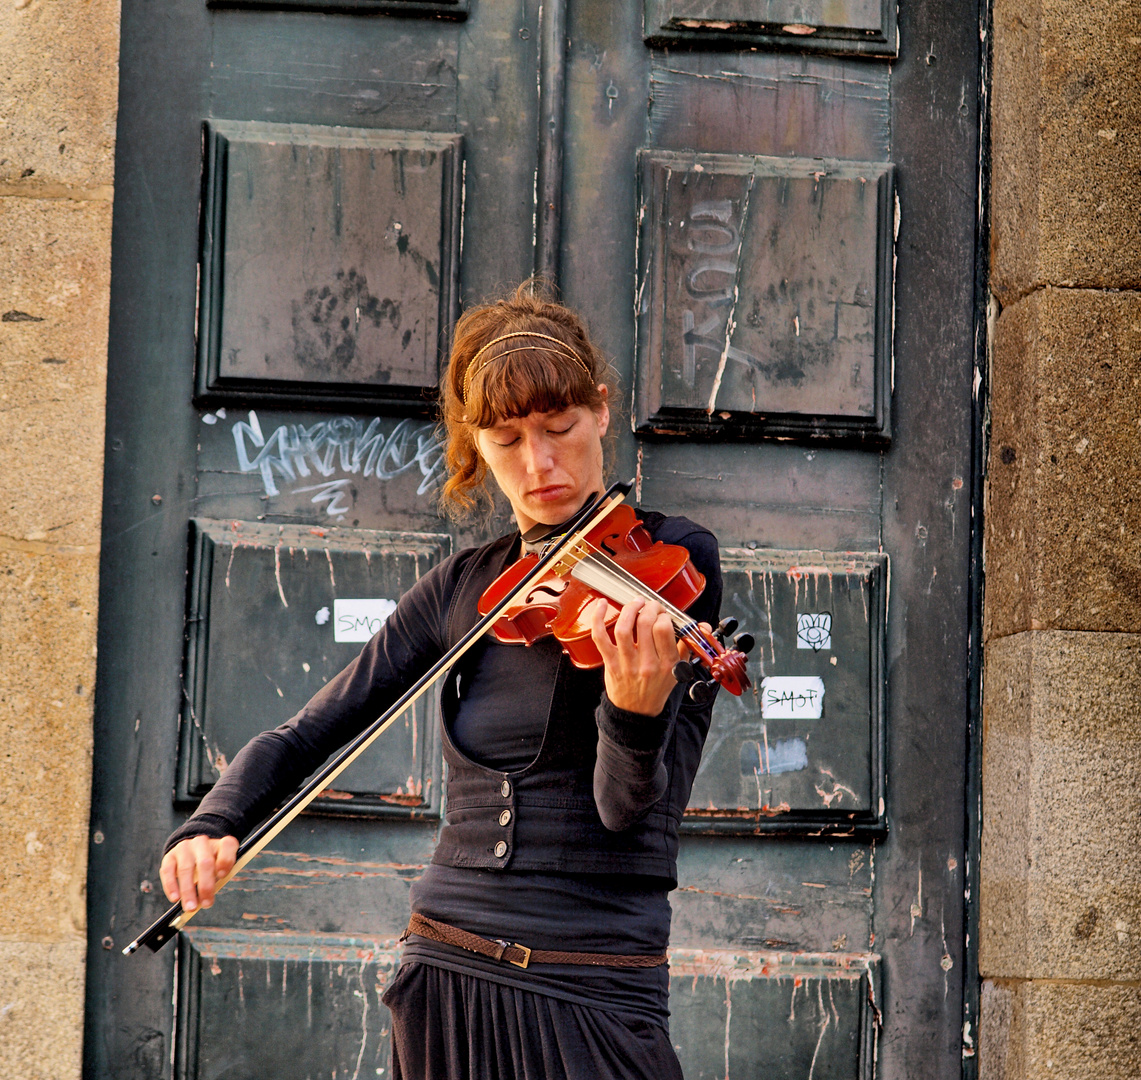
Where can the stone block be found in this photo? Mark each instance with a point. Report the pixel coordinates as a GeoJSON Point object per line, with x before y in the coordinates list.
{"type": "Point", "coordinates": [55, 257]}
{"type": "Point", "coordinates": [59, 92]}
{"type": "Point", "coordinates": [1066, 180]}
{"type": "Point", "coordinates": [1065, 1031]}
{"type": "Point", "coordinates": [1016, 147]}
{"type": "Point", "coordinates": [41, 1010]}
{"type": "Point", "coordinates": [1060, 892]}
{"type": "Point", "coordinates": [47, 673]}
{"type": "Point", "coordinates": [1063, 506]}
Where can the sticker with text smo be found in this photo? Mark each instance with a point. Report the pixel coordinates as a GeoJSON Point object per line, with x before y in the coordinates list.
{"type": "Point", "coordinates": [358, 620]}
{"type": "Point", "coordinates": [792, 697]}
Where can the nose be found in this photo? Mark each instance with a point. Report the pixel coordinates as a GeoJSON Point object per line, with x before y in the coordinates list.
{"type": "Point", "coordinates": [537, 455]}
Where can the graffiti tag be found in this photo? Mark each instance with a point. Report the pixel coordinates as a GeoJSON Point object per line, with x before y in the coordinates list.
{"type": "Point", "coordinates": [343, 444]}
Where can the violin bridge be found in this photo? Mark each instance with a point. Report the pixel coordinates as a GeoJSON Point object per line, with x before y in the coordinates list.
{"type": "Point", "coordinates": [572, 557]}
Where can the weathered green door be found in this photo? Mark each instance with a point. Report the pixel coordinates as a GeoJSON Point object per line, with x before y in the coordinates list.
{"type": "Point", "coordinates": [767, 212]}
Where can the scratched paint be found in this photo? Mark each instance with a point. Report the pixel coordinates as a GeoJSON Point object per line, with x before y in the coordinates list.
{"type": "Point", "coordinates": [323, 989]}
{"type": "Point", "coordinates": [804, 1014]}
{"type": "Point", "coordinates": [786, 755]}
{"type": "Point", "coordinates": [267, 629]}
{"type": "Point", "coordinates": [860, 26]}
{"type": "Point", "coordinates": [804, 744]}
{"type": "Point", "coordinates": [299, 869]}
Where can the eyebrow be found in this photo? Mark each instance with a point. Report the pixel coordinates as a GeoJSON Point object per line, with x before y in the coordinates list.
{"type": "Point", "coordinates": [550, 414]}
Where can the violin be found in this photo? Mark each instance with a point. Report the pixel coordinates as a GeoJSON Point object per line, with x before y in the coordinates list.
{"type": "Point", "coordinates": [618, 561]}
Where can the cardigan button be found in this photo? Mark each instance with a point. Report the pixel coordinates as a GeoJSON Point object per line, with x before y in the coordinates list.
{"type": "Point", "coordinates": [505, 818]}
{"type": "Point", "coordinates": [505, 790]}
{"type": "Point", "coordinates": [500, 849]}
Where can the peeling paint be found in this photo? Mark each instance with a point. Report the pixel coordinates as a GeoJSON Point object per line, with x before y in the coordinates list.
{"type": "Point", "coordinates": [739, 966]}
{"type": "Point", "coordinates": [917, 905]}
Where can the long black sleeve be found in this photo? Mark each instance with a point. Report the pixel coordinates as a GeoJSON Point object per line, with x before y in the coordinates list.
{"type": "Point", "coordinates": [630, 773]}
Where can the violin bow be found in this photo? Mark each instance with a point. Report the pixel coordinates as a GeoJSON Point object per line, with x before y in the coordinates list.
{"type": "Point", "coordinates": [155, 936]}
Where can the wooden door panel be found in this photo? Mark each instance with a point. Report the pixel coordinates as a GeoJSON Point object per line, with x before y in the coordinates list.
{"type": "Point", "coordinates": [765, 296]}
{"type": "Point", "coordinates": [333, 874]}
{"type": "Point", "coordinates": [804, 895]}
{"type": "Point", "coordinates": [441, 9]}
{"type": "Point", "coordinates": [771, 496]}
{"type": "Point", "coordinates": [799, 1015]}
{"type": "Point", "coordinates": [770, 103]}
{"type": "Point", "coordinates": [803, 751]}
{"type": "Point", "coordinates": [273, 613]}
{"type": "Point", "coordinates": [319, 992]}
{"type": "Point", "coordinates": [329, 263]}
{"type": "Point", "coordinates": [324, 469]}
{"type": "Point", "coordinates": [302, 67]}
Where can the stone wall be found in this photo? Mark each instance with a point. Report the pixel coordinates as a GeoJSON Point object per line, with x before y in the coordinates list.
{"type": "Point", "coordinates": [1060, 933]}
{"type": "Point", "coordinates": [58, 91]}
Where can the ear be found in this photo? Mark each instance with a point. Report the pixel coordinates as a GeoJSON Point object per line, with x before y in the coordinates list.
{"type": "Point", "coordinates": [603, 410]}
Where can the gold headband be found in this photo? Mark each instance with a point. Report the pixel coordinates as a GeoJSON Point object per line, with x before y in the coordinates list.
{"type": "Point", "coordinates": [563, 349]}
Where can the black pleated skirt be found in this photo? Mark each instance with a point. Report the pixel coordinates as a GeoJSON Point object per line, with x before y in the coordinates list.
{"type": "Point", "coordinates": [451, 1026]}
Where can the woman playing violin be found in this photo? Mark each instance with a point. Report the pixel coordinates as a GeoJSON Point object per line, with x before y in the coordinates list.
{"type": "Point", "coordinates": [565, 786]}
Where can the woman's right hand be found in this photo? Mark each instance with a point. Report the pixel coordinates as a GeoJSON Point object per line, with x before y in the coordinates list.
{"type": "Point", "coordinates": [192, 868]}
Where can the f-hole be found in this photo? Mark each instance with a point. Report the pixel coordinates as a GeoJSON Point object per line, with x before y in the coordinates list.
{"type": "Point", "coordinates": [607, 544]}
{"type": "Point", "coordinates": [546, 590]}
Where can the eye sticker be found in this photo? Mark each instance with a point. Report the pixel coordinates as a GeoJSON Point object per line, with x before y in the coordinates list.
{"type": "Point", "coordinates": [814, 631]}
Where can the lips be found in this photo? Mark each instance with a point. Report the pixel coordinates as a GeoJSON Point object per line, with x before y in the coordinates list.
{"type": "Point", "coordinates": [550, 494]}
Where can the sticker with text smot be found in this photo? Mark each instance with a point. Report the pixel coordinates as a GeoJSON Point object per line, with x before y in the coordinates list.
{"type": "Point", "coordinates": [792, 697]}
{"type": "Point", "coordinates": [358, 620]}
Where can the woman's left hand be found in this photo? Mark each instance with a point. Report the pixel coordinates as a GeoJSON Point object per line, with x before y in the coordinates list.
{"type": "Point", "coordinates": [639, 662]}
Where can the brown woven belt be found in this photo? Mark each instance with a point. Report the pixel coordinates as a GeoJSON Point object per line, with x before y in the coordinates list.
{"type": "Point", "coordinates": [519, 955]}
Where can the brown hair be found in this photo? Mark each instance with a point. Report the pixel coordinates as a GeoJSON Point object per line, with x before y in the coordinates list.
{"type": "Point", "coordinates": [513, 377]}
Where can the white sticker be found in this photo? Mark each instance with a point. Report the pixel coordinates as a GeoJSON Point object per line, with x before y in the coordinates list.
{"type": "Point", "coordinates": [814, 631]}
{"type": "Point", "coordinates": [792, 697]}
{"type": "Point", "coordinates": [358, 620]}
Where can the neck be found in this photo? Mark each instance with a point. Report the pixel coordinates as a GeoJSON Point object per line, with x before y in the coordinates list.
{"type": "Point", "coordinates": [539, 531]}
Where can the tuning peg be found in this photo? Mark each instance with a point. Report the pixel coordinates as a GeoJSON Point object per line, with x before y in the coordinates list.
{"type": "Point", "coordinates": [744, 643]}
{"type": "Point", "coordinates": [724, 628]}
{"type": "Point", "coordinates": [685, 672]}
{"type": "Point", "coordinates": [701, 692]}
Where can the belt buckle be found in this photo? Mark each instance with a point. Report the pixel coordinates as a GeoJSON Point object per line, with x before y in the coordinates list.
{"type": "Point", "coordinates": [515, 945]}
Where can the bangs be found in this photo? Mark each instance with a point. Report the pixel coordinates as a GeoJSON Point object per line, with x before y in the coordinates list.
{"type": "Point", "coordinates": [529, 380]}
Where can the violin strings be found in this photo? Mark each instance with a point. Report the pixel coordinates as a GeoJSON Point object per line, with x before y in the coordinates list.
{"type": "Point", "coordinates": [616, 578]}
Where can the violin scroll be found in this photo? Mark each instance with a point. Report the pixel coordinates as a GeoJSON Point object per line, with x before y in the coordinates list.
{"type": "Point", "coordinates": [727, 666]}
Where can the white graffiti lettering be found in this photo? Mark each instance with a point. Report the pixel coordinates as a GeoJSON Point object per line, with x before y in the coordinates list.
{"type": "Point", "coordinates": [343, 444]}
{"type": "Point", "coordinates": [334, 492]}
